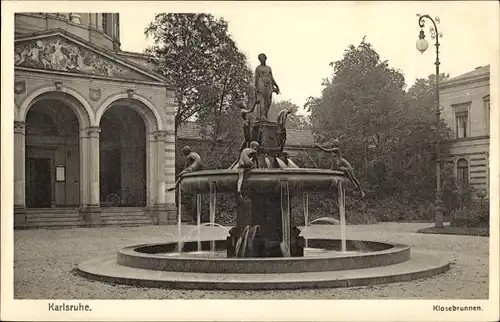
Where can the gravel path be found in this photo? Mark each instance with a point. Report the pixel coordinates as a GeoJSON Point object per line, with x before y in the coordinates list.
{"type": "Point", "coordinates": [44, 263]}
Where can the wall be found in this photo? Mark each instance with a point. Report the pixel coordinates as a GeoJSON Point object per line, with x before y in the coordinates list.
{"type": "Point", "coordinates": [157, 95]}
{"type": "Point", "coordinates": [89, 28]}
{"type": "Point", "coordinates": [474, 148]}
{"type": "Point", "coordinates": [473, 93]}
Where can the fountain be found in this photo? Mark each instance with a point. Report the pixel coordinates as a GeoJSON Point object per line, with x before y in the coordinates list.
{"type": "Point", "coordinates": [265, 249]}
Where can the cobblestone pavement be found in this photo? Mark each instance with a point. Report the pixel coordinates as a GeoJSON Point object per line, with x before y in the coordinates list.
{"type": "Point", "coordinates": [45, 260]}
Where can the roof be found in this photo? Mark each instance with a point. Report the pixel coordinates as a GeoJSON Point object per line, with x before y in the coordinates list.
{"type": "Point", "coordinates": [477, 72]}
{"type": "Point", "coordinates": [300, 137]}
{"type": "Point", "coordinates": [192, 131]}
{"type": "Point", "coordinates": [189, 130]}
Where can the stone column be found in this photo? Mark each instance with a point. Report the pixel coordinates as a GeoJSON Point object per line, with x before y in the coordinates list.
{"type": "Point", "coordinates": [84, 168]}
{"type": "Point", "coordinates": [160, 177]}
{"type": "Point", "coordinates": [151, 181]}
{"type": "Point", "coordinates": [91, 208]}
{"type": "Point", "coordinates": [94, 166]}
{"type": "Point", "coordinates": [150, 168]}
{"type": "Point", "coordinates": [19, 175]}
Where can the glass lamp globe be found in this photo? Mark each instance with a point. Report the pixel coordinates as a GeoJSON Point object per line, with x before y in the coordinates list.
{"type": "Point", "coordinates": [422, 44]}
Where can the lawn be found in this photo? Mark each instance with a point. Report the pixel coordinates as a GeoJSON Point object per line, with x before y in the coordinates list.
{"type": "Point", "coordinates": [448, 230]}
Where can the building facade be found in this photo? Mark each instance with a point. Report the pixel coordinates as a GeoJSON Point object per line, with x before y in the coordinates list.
{"type": "Point", "coordinates": [94, 138]}
{"type": "Point", "coordinates": [465, 102]}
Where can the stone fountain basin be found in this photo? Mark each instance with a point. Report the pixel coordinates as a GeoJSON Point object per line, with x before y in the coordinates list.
{"type": "Point", "coordinates": [263, 180]}
{"type": "Point", "coordinates": [371, 254]}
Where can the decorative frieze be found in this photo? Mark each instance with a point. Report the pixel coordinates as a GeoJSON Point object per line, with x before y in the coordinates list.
{"type": "Point", "coordinates": [59, 54]}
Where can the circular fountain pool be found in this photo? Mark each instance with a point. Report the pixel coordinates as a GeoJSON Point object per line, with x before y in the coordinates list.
{"type": "Point", "coordinates": [323, 265]}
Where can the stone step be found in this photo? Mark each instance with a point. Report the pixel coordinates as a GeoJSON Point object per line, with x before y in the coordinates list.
{"type": "Point", "coordinates": [128, 223]}
{"type": "Point", "coordinates": [44, 211]}
{"type": "Point", "coordinates": [138, 218]}
{"type": "Point", "coordinates": [53, 215]}
{"type": "Point", "coordinates": [54, 224]}
{"type": "Point", "coordinates": [53, 220]}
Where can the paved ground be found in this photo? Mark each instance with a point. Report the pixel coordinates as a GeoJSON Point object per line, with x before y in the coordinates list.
{"type": "Point", "coordinates": [44, 263]}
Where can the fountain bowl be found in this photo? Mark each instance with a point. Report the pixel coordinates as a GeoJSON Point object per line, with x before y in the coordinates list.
{"type": "Point", "coordinates": [264, 180]}
{"type": "Point", "coordinates": [364, 263]}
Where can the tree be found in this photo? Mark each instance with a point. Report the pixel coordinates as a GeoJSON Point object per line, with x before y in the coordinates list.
{"type": "Point", "coordinates": [387, 133]}
{"type": "Point", "coordinates": [295, 121]}
{"type": "Point", "coordinates": [196, 53]}
{"type": "Point", "coordinates": [230, 79]}
{"type": "Point", "coordinates": [359, 103]}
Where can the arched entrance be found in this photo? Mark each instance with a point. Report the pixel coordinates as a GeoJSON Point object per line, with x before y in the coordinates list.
{"type": "Point", "coordinates": [52, 157]}
{"type": "Point", "coordinates": [122, 158]}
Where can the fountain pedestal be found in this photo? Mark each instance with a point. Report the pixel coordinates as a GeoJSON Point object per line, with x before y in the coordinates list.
{"type": "Point", "coordinates": [264, 208]}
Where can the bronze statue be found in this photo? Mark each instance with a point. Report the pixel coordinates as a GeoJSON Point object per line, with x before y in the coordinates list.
{"type": "Point", "coordinates": [194, 164]}
{"type": "Point", "coordinates": [265, 86]}
{"type": "Point", "coordinates": [246, 162]}
{"type": "Point", "coordinates": [281, 128]}
{"type": "Point", "coordinates": [339, 163]}
{"type": "Point", "coordinates": [246, 124]}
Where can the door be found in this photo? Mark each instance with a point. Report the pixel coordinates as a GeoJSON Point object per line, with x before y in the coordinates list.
{"type": "Point", "coordinates": [38, 183]}
{"type": "Point", "coordinates": [110, 173]}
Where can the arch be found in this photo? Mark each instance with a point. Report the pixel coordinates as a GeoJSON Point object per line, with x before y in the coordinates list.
{"type": "Point", "coordinates": [83, 110]}
{"type": "Point", "coordinates": [122, 158]}
{"type": "Point", "coordinates": [149, 114]}
{"type": "Point", "coordinates": [463, 171]}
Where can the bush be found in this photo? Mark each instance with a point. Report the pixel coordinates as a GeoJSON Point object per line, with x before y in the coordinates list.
{"type": "Point", "coordinates": [475, 216]}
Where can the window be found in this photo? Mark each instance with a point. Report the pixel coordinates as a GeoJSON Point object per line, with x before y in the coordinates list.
{"type": "Point", "coordinates": [463, 172]}
{"type": "Point", "coordinates": [462, 122]}
{"type": "Point", "coordinates": [487, 114]}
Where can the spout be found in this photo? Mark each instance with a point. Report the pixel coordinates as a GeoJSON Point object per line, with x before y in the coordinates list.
{"type": "Point", "coordinates": [281, 164]}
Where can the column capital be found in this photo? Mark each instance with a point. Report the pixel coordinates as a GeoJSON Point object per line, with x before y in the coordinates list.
{"type": "Point", "coordinates": [93, 131]}
{"type": "Point", "coordinates": [19, 127]}
{"type": "Point", "coordinates": [160, 135]}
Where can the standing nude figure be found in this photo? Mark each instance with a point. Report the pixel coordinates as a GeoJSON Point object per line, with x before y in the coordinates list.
{"type": "Point", "coordinates": [246, 162]}
{"type": "Point", "coordinates": [339, 163]}
{"type": "Point", "coordinates": [194, 161]}
{"type": "Point", "coordinates": [265, 86]}
{"type": "Point", "coordinates": [246, 124]}
{"type": "Point", "coordinates": [281, 128]}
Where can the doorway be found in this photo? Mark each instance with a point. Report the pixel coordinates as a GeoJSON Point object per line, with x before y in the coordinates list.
{"type": "Point", "coordinates": [38, 183]}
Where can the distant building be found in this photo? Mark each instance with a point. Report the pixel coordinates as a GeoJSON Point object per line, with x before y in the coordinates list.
{"type": "Point", "coordinates": [297, 140]}
{"type": "Point", "coordinates": [466, 109]}
{"type": "Point", "coordinates": [93, 128]}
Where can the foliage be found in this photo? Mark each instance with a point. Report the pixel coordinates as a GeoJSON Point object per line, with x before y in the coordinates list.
{"type": "Point", "coordinates": [387, 133]}
{"type": "Point", "coordinates": [196, 53]}
{"type": "Point", "coordinates": [471, 216]}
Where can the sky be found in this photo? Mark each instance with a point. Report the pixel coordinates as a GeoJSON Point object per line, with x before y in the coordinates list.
{"type": "Point", "coordinates": [300, 39]}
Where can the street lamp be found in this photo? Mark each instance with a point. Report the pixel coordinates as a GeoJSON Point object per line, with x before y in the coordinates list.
{"type": "Point", "coordinates": [422, 45]}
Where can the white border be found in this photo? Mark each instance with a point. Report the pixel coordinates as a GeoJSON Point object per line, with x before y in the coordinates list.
{"type": "Point", "coordinates": [285, 310]}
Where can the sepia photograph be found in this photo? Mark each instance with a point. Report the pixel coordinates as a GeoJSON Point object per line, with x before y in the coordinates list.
{"type": "Point", "coordinates": [323, 152]}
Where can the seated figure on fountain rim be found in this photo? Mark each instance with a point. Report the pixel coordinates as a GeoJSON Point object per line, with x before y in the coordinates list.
{"type": "Point", "coordinates": [194, 164]}
{"type": "Point", "coordinates": [341, 164]}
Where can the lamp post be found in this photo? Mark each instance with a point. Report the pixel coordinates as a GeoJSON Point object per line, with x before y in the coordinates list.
{"type": "Point", "coordinates": [422, 45]}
